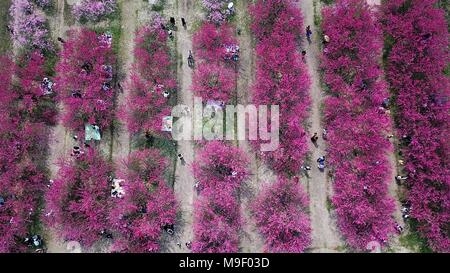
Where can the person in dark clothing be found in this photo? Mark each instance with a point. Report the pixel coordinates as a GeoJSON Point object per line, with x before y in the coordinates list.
{"type": "Point", "coordinates": [183, 23]}
{"type": "Point", "coordinates": [87, 66]}
{"type": "Point", "coordinates": [190, 60]}
{"type": "Point", "coordinates": [308, 34]}
{"type": "Point", "coordinates": [314, 138]}
{"type": "Point", "coordinates": [180, 156]}
{"type": "Point", "coordinates": [172, 21]}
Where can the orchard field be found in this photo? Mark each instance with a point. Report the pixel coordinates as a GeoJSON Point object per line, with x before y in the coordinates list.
{"type": "Point", "coordinates": [92, 93]}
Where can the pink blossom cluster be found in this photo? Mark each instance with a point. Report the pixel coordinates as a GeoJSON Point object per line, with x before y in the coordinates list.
{"type": "Point", "coordinates": [79, 200]}
{"type": "Point", "coordinates": [152, 75]}
{"type": "Point", "coordinates": [219, 170]}
{"type": "Point", "coordinates": [418, 38]}
{"type": "Point", "coordinates": [217, 10]}
{"type": "Point", "coordinates": [214, 78]}
{"type": "Point", "coordinates": [357, 124]}
{"type": "Point", "coordinates": [280, 213]}
{"type": "Point", "coordinates": [43, 3]}
{"type": "Point", "coordinates": [22, 174]}
{"type": "Point", "coordinates": [29, 29]}
{"type": "Point", "coordinates": [281, 79]}
{"type": "Point", "coordinates": [148, 206]}
{"type": "Point", "coordinates": [36, 101]}
{"type": "Point", "coordinates": [93, 10]}
{"type": "Point", "coordinates": [84, 81]}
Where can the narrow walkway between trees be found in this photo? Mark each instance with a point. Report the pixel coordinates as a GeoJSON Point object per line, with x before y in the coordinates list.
{"type": "Point", "coordinates": [250, 240]}
{"type": "Point", "coordinates": [325, 236]}
{"type": "Point", "coordinates": [184, 179]}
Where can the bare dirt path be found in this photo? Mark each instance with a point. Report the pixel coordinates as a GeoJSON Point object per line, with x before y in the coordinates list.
{"type": "Point", "coordinates": [251, 241]}
{"type": "Point", "coordinates": [121, 145]}
{"type": "Point", "coordinates": [184, 180]}
{"type": "Point", "coordinates": [60, 138]}
{"type": "Point", "coordinates": [325, 236]}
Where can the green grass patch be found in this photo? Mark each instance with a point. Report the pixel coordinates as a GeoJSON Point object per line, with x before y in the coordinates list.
{"type": "Point", "coordinates": [413, 240]}
{"type": "Point", "coordinates": [329, 204]}
{"type": "Point", "coordinates": [159, 7]}
{"type": "Point", "coordinates": [5, 41]}
{"type": "Point", "coordinates": [327, 2]}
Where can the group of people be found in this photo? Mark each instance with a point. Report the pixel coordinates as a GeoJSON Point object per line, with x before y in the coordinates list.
{"type": "Point", "coordinates": [309, 33]}
{"type": "Point", "coordinates": [76, 151]}
{"type": "Point", "coordinates": [231, 52]}
{"type": "Point", "coordinates": [406, 210]}
{"type": "Point", "coordinates": [47, 86]}
{"type": "Point", "coordinates": [173, 26]}
{"type": "Point", "coordinates": [106, 86]}
{"type": "Point", "coordinates": [35, 242]}
{"type": "Point", "coordinates": [321, 159]}
{"type": "Point", "coordinates": [117, 191]}
{"type": "Point", "coordinates": [188, 244]}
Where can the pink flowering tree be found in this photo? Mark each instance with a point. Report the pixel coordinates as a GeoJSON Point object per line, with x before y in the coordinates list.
{"type": "Point", "coordinates": [84, 75]}
{"type": "Point", "coordinates": [280, 211]}
{"type": "Point", "coordinates": [214, 82]}
{"type": "Point", "coordinates": [216, 222]}
{"type": "Point", "coordinates": [417, 43]}
{"type": "Point", "coordinates": [36, 104]}
{"type": "Point", "coordinates": [272, 16]}
{"type": "Point", "coordinates": [43, 3]}
{"type": "Point", "coordinates": [29, 28]}
{"type": "Point", "coordinates": [148, 205]}
{"type": "Point", "coordinates": [218, 165]}
{"type": "Point", "coordinates": [22, 173]}
{"type": "Point", "coordinates": [21, 181]}
{"type": "Point", "coordinates": [356, 123]}
{"type": "Point", "coordinates": [79, 200]}
{"type": "Point", "coordinates": [217, 10]}
{"type": "Point", "coordinates": [219, 169]}
{"type": "Point", "coordinates": [151, 77]}
{"type": "Point", "coordinates": [210, 41]}
{"type": "Point", "coordinates": [281, 79]}
{"type": "Point", "coordinates": [93, 10]}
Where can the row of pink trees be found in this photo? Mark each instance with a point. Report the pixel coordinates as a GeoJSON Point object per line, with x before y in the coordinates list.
{"type": "Point", "coordinates": [149, 204]}
{"type": "Point", "coordinates": [417, 37]}
{"type": "Point", "coordinates": [280, 213]}
{"type": "Point", "coordinates": [152, 75]}
{"type": "Point", "coordinates": [84, 80]}
{"type": "Point", "coordinates": [79, 201]}
{"type": "Point", "coordinates": [219, 168]}
{"type": "Point", "coordinates": [27, 108]}
{"type": "Point", "coordinates": [23, 138]}
{"type": "Point", "coordinates": [214, 77]}
{"type": "Point", "coordinates": [281, 79]}
{"type": "Point", "coordinates": [80, 206]}
{"type": "Point", "coordinates": [357, 125]}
